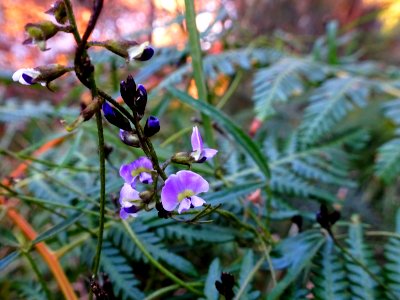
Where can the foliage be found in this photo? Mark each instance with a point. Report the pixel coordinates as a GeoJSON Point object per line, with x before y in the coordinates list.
{"type": "Point", "coordinates": [326, 133]}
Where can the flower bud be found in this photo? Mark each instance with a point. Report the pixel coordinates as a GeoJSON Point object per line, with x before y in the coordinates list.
{"type": "Point", "coordinates": [42, 75]}
{"type": "Point", "coordinates": [119, 47]}
{"type": "Point", "coordinates": [162, 213]}
{"type": "Point", "coordinates": [39, 33]}
{"type": "Point", "coordinates": [129, 138]}
{"type": "Point", "coordinates": [152, 126]}
{"type": "Point", "coordinates": [182, 158]}
{"type": "Point", "coordinates": [141, 52]}
{"type": "Point", "coordinates": [146, 196]}
{"type": "Point", "coordinates": [128, 91]}
{"type": "Point", "coordinates": [140, 100]}
{"type": "Point", "coordinates": [115, 117]}
{"type": "Point", "coordinates": [59, 12]}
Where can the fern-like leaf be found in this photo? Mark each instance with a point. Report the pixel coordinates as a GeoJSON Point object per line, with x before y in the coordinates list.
{"type": "Point", "coordinates": [330, 103]}
{"type": "Point", "coordinates": [392, 255]}
{"type": "Point", "coordinates": [362, 286]}
{"type": "Point", "coordinates": [329, 276]}
{"type": "Point", "coordinates": [283, 79]}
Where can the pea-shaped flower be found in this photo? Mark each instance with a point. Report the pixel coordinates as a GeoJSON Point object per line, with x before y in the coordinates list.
{"type": "Point", "coordinates": [139, 169]}
{"type": "Point", "coordinates": [200, 154]}
{"type": "Point", "coordinates": [127, 197]}
{"type": "Point", "coordinates": [182, 189]}
{"type": "Point", "coordinates": [27, 76]}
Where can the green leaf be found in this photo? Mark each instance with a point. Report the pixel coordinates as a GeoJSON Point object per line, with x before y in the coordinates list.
{"type": "Point", "coordinates": [247, 144]}
{"type": "Point", "coordinates": [214, 273]}
{"type": "Point", "coordinates": [5, 261]}
{"type": "Point", "coordinates": [297, 253]}
{"type": "Point", "coordinates": [57, 228]}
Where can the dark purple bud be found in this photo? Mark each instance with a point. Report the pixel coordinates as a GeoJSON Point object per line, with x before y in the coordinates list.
{"type": "Point", "coordinates": [129, 138]}
{"type": "Point", "coordinates": [147, 53]}
{"type": "Point", "coordinates": [162, 213]}
{"type": "Point", "coordinates": [325, 219]}
{"type": "Point", "coordinates": [128, 91]}
{"type": "Point", "coordinates": [115, 117]}
{"type": "Point", "coordinates": [225, 286]}
{"type": "Point", "coordinates": [152, 126]}
{"type": "Point", "coordinates": [141, 100]}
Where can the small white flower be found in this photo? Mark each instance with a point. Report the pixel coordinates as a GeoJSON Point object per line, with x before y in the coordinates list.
{"type": "Point", "coordinates": [26, 76]}
{"type": "Point", "coordinates": [140, 52]}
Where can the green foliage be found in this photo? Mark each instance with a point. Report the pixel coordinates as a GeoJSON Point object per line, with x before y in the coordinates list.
{"type": "Point", "coordinates": [328, 274]}
{"type": "Point", "coordinates": [327, 124]}
{"type": "Point", "coordinates": [392, 266]}
{"type": "Point", "coordinates": [330, 103]}
{"type": "Point", "coordinates": [281, 80]}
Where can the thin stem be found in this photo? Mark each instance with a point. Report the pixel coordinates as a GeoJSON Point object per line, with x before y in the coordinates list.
{"type": "Point", "coordinates": [45, 162]}
{"type": "Point", "coordinates": [81, 239]}
{"type": "Point", "coordinates": [72, 21]}
{"type": "Point", "coordinates": [232, 217]}
{"type": "Point", "coordinates": [358, 262]}
{"type": "Point", "coordinates": [52, 203]}
{"type": "Point", "coordinates": [155, 263]}
{"type": "Point", "coordinates": [145, 142]}
{"type": "Point", "coordinates": [175, 136]}
{"type": "Point", "coordinates": [197, 64]}
{"type": "Point", "coordinates": [232, 88]}
{"type": "Point", "coordinates": [157, 294]}
{"type": "Point", "coordinates": [41, 279]}
{"type": "Point", "coordinates": [249, 277]}
{"type": "Point", "coordinates": [99, 123]}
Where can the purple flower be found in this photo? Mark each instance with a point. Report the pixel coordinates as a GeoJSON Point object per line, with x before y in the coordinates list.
{"type": "Point", "coordinates": [181, 188]}
{"type": "Point", "coordinates": [142, 168]}
{"type": "Point", "coordinates": [127, 196]}
{"type": "Point", "coordinates": [200, 154]}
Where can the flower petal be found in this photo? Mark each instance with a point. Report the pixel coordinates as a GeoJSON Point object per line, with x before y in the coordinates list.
{"type": "Point", "coordinates": [184, 205]}
{"type": "Point", "coordinates": [170, 192]}
{"type": "Point", "coordinates": [192, 181]}
{"type": "Point", "coordinates": [123, 214]}
{"type": "Point", "coordinates": [25, 76]}
{"type": "Point", "coordinates": [127, 195]}
{"type": "Point", "coordinates": [196, 140]}
{"type": "Point", "coordinates": [145, 163]}
{"type": "Point", "coordinates": [197, 201]}
{"type": "Point", "coordinates": [208, 152]}
{"type": "Point", "coordinates": [126, 172]}
{"type": "Point", "coordinates": [145, 178]}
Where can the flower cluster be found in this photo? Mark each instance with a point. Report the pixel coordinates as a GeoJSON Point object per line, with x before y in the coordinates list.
{"type": "Point", "coordinates": [129, 198]}
{"type": "Point", "coordinates": [135, 96]}
{"type": "Point", "coordinates": [180, 190]}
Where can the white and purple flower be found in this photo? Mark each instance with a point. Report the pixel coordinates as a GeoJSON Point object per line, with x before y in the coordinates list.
{"type": "Point", "coordinates": [127, 197]}
{"type": "Point", "coordinates": [200, 154]}
{"type": "Point", "coordinates": [27, 76]}
{"type": "Point", "coordinates": [140, 169]}
{"type": "Point", "coordinates": [182, 189]}
{"type": "Point", "coordinates": [140, 52]}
